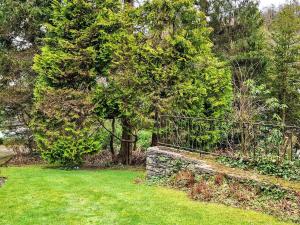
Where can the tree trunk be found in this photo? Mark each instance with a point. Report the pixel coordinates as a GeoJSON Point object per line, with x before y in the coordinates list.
{"type": "Point", "coordinates": [111, 144]}
{"type": "Point", "coordinates": [126, 143]}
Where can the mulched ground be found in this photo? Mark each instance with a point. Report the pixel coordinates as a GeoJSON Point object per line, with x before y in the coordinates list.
{"type": "Point", "coordinates": [25, 159]}
{"type": "Point", "coordinates": [104, 159]}
{"type": "Point", "coordinates": [101, 160]}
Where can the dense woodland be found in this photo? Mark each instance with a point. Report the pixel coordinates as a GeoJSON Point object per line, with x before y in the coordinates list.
{"type": "Point", "coordinates": [83, 75]}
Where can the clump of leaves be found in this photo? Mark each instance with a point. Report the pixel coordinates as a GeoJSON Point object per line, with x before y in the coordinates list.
{"type": "Point", "coordinates": [185, 179]}
{"type": "Point", "coordinates": [139, 180]}
{"type": "Point", "coordinates": [219, 179]}
{"type": "Point", "coordinates": [240, 192]}
{"type": "Point", "coordinates": [201, 191]}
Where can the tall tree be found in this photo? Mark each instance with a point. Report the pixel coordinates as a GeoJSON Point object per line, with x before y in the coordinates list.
{"type": "Point", "coordinates": [127, 127]}
{"type": "Point", "coordinates": [66, 69]}
{"type": "Point", "coordinates": [117, 97]}
{"type": "Point", "coordinates": [285, 80]}
{"type": "Point", "coordinates": [21, 27]}
{"type": "Point", "coordinates": [240, 38]}
{"type": "Point", "coordinates": [181, 66]}
{"type": "Point", "coordinates": [166, 65]}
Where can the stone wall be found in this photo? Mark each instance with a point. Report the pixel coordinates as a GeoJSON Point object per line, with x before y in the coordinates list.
{"type": "Point", "coordinates": [162, 162]}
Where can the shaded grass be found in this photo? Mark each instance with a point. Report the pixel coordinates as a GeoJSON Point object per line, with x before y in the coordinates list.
{"type": "Point", "coordinates": [37, 195]}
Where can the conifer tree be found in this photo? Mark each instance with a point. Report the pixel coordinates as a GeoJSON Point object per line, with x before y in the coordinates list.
{"type": "Point", "coordinates": [63, 123]}
{"type": "Point", "coordinates": [165, 65]}
{"type": "Point", "coordinates": [239, 37]}
{"type": "Point", "coordinates": [21, 24]}
{"type": "Point", "coordinates": [183, 74]}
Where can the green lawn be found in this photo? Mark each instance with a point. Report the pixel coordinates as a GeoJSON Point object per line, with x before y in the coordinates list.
{"type": "Point", "coordinates": [35, 195]}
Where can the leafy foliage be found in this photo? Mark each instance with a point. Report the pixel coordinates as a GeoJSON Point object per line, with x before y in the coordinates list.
{"type": "Point", "coordinates": [20, 31]}
{"type": "Point", "coordinates": [63, 121]}
{"type": "Point", "coordinates": [284, 78]}
{"type": "Point", "coordinates": [288, 170]}
{"type": "Point", "coordinates": [163, 63]}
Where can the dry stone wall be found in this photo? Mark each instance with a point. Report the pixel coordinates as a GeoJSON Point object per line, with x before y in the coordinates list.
{"type": "Point", "coordinates": [163, 163]}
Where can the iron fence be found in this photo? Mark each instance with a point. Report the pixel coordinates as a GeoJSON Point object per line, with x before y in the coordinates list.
{"type": "Point", "coordinates": [235, 138]}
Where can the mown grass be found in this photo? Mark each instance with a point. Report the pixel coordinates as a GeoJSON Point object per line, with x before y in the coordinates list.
{"type": "Point", "coordinates": [37, 195]}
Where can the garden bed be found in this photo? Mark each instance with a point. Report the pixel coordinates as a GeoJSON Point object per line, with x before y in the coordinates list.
{"type": "Point", "coordinates": [207, 180]}
{"type": "Point", "coordinates": [219, 189]}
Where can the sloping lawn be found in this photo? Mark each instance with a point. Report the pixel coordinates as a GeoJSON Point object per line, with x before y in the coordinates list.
{"type": "Point", "coordinates": [36, 195]}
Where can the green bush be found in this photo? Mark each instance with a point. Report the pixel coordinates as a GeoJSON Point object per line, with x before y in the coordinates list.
{"type": "Point", "coordinates": [68, 148]}
{"type": "Point", "coordinates": [144, 139]}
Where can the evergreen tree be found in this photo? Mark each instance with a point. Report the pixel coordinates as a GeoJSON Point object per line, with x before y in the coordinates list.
{"type": "Point", "coordinates": [239, 37]}
{"type": "Point", "coordinates": [118, 96]}
{"type": "Point", "coordinates": [63, 121]}
{"type": "Point", "coordinates": [184, 75]}
{"type": "Point", "coordinates": [20, 31]}
{"type": "Point", "coordinates": [163, 64]}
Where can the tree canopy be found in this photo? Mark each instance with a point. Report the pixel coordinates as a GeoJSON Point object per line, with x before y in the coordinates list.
{"type": "Point", "coordinates": [69, 68]}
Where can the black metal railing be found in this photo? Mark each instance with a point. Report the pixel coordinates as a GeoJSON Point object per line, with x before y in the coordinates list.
{"type": "Point", "coordinates": [232, 137]}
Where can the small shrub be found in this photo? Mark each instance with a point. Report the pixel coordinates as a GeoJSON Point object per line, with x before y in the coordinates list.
{"type": "Point", "coordinates": [68, 148]}
{"type": "Point", "coordinates": [240, 192]}
{"type": "Point", "coordinates": [201, 191]}
{"type": "Point", "coordinates": [242, 197]}
{"type": "Point", "coordinates": [219, 179]}
{"type": "Point", "coordinates": [285, 205]}
{"type": "Point", "coordinates": [144, 140]}
{"type": "Point", "coordinates": [274, 192]}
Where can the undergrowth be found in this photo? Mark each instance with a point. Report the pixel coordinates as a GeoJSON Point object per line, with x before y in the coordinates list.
{"type": "Point", "coordinates": [288, 170]}
{"type": "Point", "coordinates": [219, 189]}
